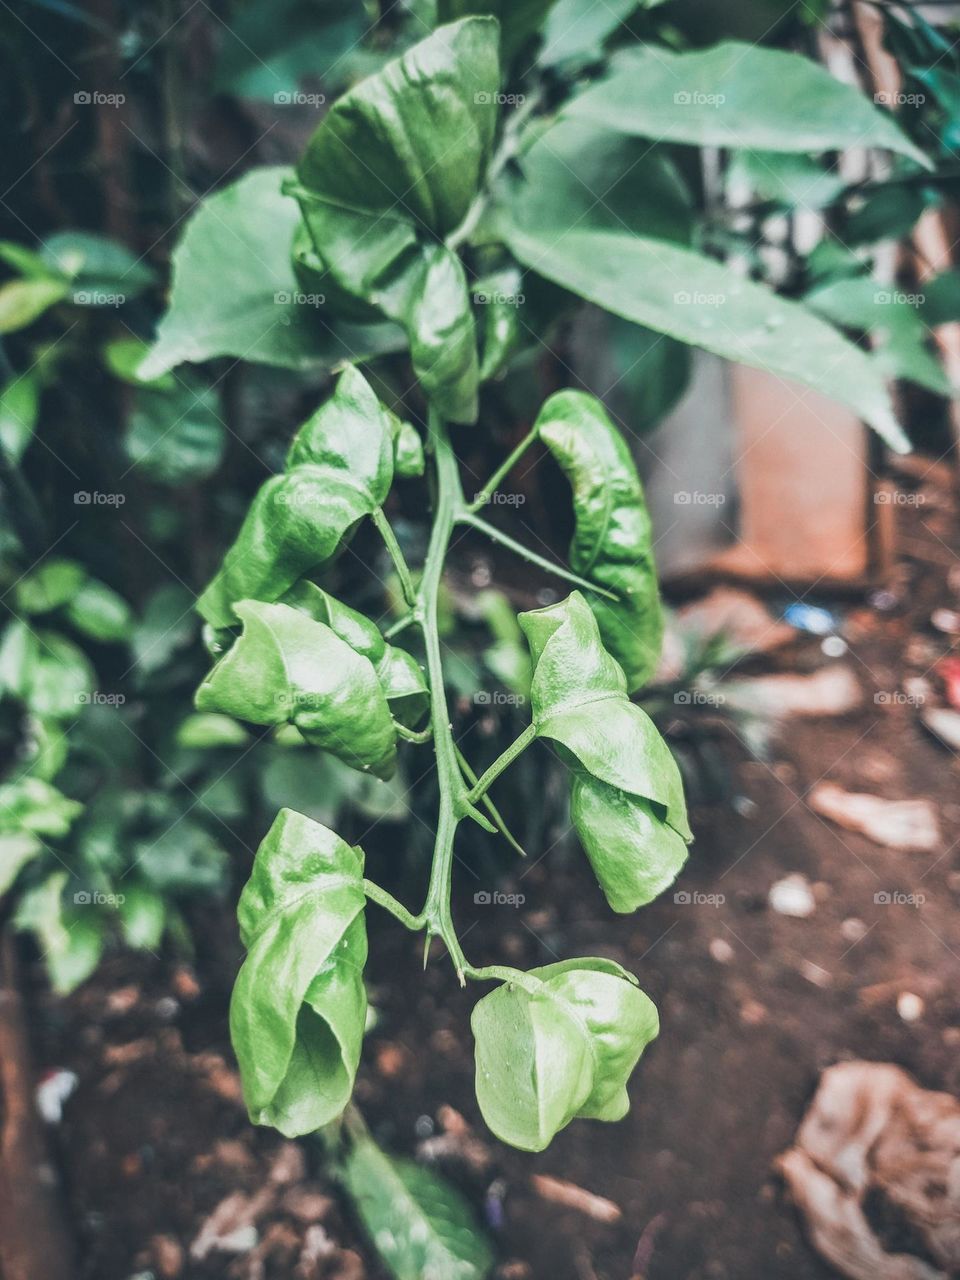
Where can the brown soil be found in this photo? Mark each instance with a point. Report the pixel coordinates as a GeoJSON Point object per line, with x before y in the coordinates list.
{"type": "Point", "coordinates": [155, 1136]}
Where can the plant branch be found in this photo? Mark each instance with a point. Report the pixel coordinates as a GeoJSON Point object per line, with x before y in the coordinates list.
{"type": "Point", "coordinates": [396, 555]}
{"type": "Point", "coordinates": [389, 903]}
{"type": "Point", "coordinates": [413, 735]}
{"type": "Point", "coordinates": [503, 761]}
{"type": "Point", "coordinates": [493, 484]}
{"type": "Point", "coordinates": [471, 776]}
{"type": "Point", "coordinates": [467, 517]}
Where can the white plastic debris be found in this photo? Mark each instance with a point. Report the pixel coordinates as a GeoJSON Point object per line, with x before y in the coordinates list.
{"type": "Point", "coordinates": [53, 1091]}
{"type": "Point", "coordinates": [792, 896]}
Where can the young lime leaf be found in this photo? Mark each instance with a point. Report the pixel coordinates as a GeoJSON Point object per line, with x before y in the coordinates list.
{"type": "Point", "coordinates": [737, 95]}
{"type": "Point", "coordinates": [32, 805]}
{"type": "Point", "coordinates": [388, 175]}
{"type": "Point", "coordinates": [286, 668]}
{"type": "Point", "coordinates": [613, 541]}
{"type": "Point", "coordinates": [17, 848]}
{"type": "Point", "coordinates": [564, 1048]}
{"type": "Point", "coordinates": [50, 586]}
{"type": "Point", "coordinates": [408, 459]}
{"type": "Point", "coordinates": [299, 1005]}
{"type": "Point", "coordinates": [339, 469]}
{"type": "Point", "coordinates": [100, 612]}
{"type": "Point", "coordinates": [627, 798]}
{"type": "Point", "coordinates": [421, 1226]}
{"type": "Point", "coordinates": [399, 673]}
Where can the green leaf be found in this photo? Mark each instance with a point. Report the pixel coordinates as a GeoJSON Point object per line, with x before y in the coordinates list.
{"type": "Point", "coordinates": [32, 805]}
{"type": "Point", "coordinates": [704, 303]}
{"type": "Point", "coordinates": [894, 323]}
{"type": "Point", "coordinates": [791, 180]}
{"type": "Point", "coordinates": [288, 669]}
{"type": "Point", "coordinates": [19, 412]}
{"type": "Point", "coordinates": [613, 541]}
{"type": "Point", "coordinates": [100, 612]}
{"type": "Point", "coordinates": [234, 292]}
{"type": "Point", "coordinates": [559, 1047]}
{"type": "Point", "coordinates": [52, 584]}
{"type": "Point", "coordinates": [176, 437]}
{"type": "Point", "coordinates": [578, 29]}
{"type": "Point", "coordinates": [166, 627]}
{"type": "Point", "coordinates": [627, 797]}
{"type": "Point", "coordinates": [737, 95]}
{"type": "Point", "coordinates": [205, 730]}
{"type": "Point", "coordinates": [143, 917]}
{"type": "Point", "coordinates": [519, 20]}
{"type": "Point", "coordinates": [500, 296]}
{"type": "Point", "coordinates": [389, 174]}
{"type": "Point", "coordinates": [401, 676]}
{"type": "Point", "coordinates": [124, 356]}
{"type": "Point", "coordinates": [421, 1227]}
{"type": "Point", "coordinates": [70, 945]}
{"type": "Point", "coordinates": [299, 1006]}
{"type": "Point", "coordinates": [182, 858]}
{"type": "Point", "coordinates": [408, 458]}
{"type": "Point", "coordinates": [579, 176]}
{"type": "Point", "coordinates": [96, 265]}
{"type": "Point", "coordinates": [17, 848]}
{"type": "Point", "coordinates": [23, 301]}
{"type": "Point", "coordinates": [60, 678]}
{"type": "Point", "coordinates": [941, 298]}
{"type": "Point", "coordinates": [339, 469]}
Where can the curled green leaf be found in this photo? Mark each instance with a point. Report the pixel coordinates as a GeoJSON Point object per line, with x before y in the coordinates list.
{"type": "Point", "coordinates": [627, 800]}
{"type": "Point", "coordinates": [388, 175]}
{"type": "Point", "coordinates": [613, 542]}
{"type": "Point", "coordinates": [399, 673]}
{"type": "Point", "coordinates": [559, 1046]}
{"type": "Point", "coordinates": [339, 469]}
{"type": "Point", "coordinates": [287, 668]}
{"type": "Point", "coordinates": [299, 1006]}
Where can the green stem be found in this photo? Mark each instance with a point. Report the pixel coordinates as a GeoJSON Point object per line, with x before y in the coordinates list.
{"type": "Point", "coordinates": [454, 803]}
{"type": "Point", "coordinates": [504, 973]}
{"type": "Point", "coordinates": [503, 761]}
{"type": "Point", "coordinates": [467, 517]}
{"type": "Point", "coordinates": [401, 624]}
{"type": "Point", "coordinates": [396, 555]}
{"type": "Point", "coordinates": [493, 484]}
{"type": "Point", "coordinates": [470, 774]}
{"type": "Point", "coordinates": [412, 735]}
{"type": "Point", "coordinates": [389, 903]}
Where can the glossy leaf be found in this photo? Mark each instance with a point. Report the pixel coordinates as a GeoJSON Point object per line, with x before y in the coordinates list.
{"type": "Point", "coordinates": [287, 668]}
{"type": "Point", "coordinates": [737, 95]}
{"type": "Point", "coordinates": [388, 175]}
{"type": "Point", "coordinates": [240, 239]}
{"type": "Point", "coordinates": [401, 676]}
{"type": "Point", "coordinates": [706, 304]}
{"type": "Point", "coordinates": [421, 1227]}
{"type": "Point", "coordinates": [559, 1046]}
{"type": "Point", "coordinates": [339, 469]}
{"type": "Point", "coordinates": [613, 541]}
{"type": "Point", "coordinates": [299, 1005]}
{"type": "Point", "coordinates": [627, 797]}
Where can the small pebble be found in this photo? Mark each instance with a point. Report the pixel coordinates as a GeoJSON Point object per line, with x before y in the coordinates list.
{"type": "Point", "coordinates": [909, 1006]}
{"type": "Point", "coordinates": [834, 647]}
{"type": "Point", "coordinates": [744, 806]}
{"type": "Point", "coordinates": [946, 620]}
{"type": "Point", "coordinates": [853, 930]}
{"type": "Point", "coordinates": [721, 950]}
{"type": "Point", "coordinates": [792, 896]}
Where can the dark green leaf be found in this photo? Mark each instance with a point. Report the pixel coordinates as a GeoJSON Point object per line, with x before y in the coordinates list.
{"type": "Point", "coordinates": [421, 1227]}
{"type": "Point", "coordinates": [96, 267]}
{"type": "Point", "coordinates": [299, 1004]}
{"type": "Point", "coordinates": [176, 437]}
{"type": "Point", "coordinates": [99, 612]}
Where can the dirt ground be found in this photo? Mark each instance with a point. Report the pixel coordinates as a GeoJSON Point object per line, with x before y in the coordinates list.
{"type": "Point", "coordinates": [753, 1004]}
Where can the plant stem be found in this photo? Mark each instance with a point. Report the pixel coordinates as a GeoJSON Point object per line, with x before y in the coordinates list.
{"type": "Point", "coordinates": [389, 903]}
{"type": "Point", "coordinates": [412, 735]}
{"type": "Point", "coordinates": [471, 777]}
{"type": "Point", "coordinates": [493, 484]}
{"type": "Point", "coordinates": [504, 973]}
{"type": "Point", "coordinates": [467, 517]}
{"type": "Point", "coordinates": [503, 761]}
{"type": "Point", "coordinates": [396, 555]}
{"type": "Point", "coordinates": [454, 803]}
